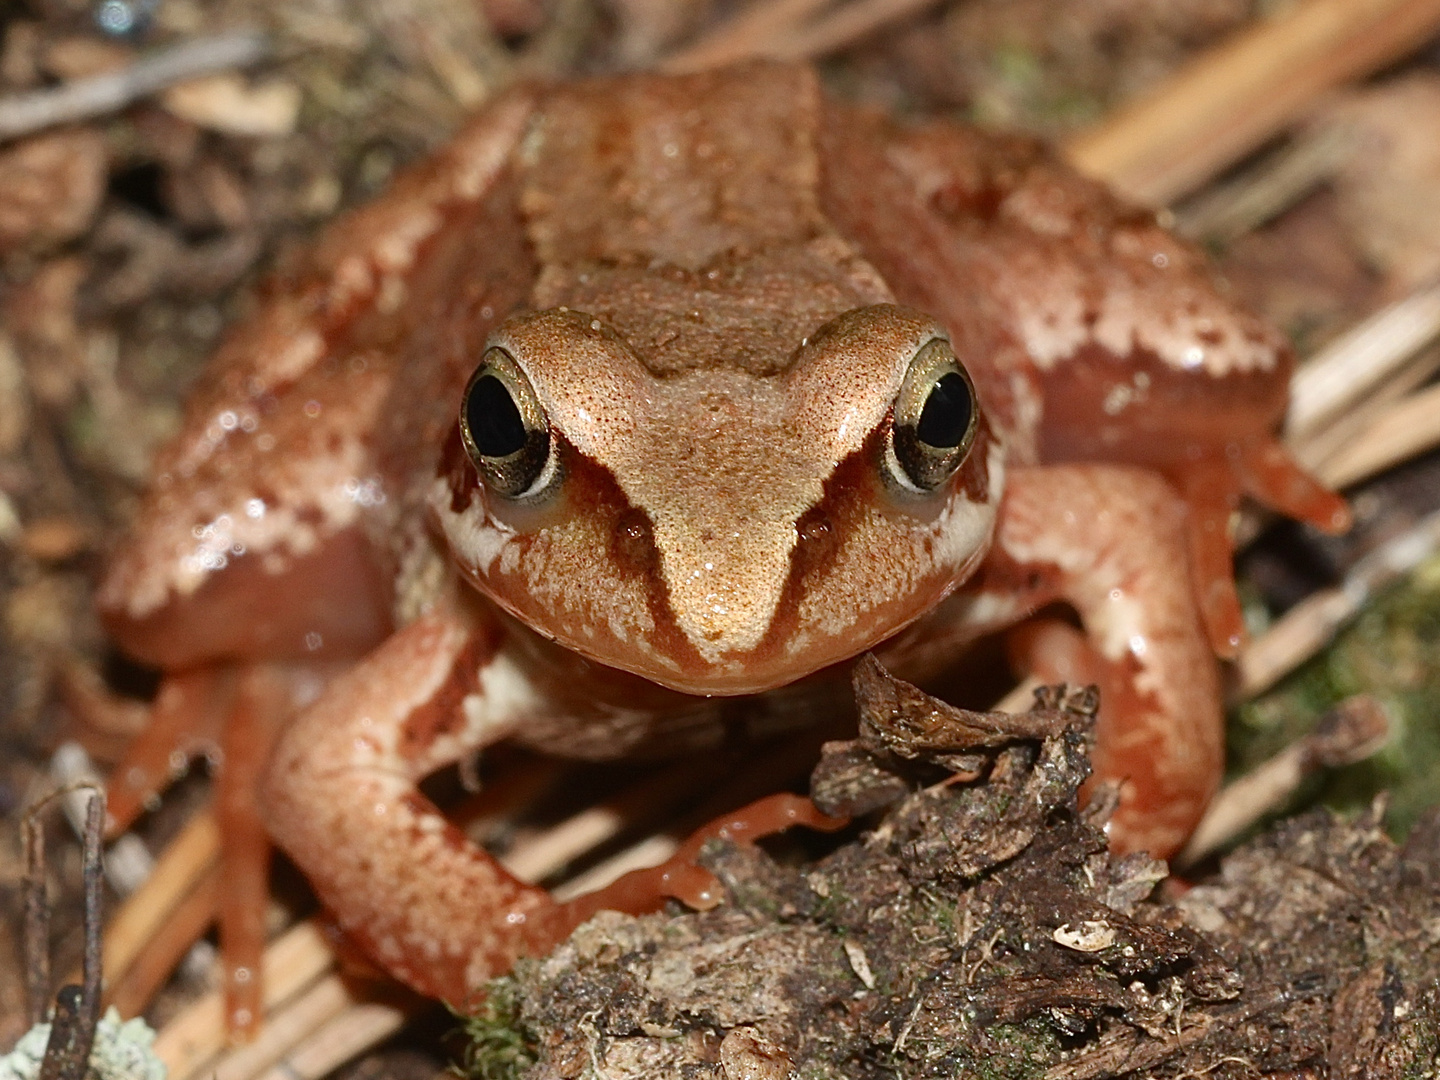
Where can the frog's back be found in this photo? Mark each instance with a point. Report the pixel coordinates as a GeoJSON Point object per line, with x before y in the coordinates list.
{"type": "Point", "coordinates": [685, 214]}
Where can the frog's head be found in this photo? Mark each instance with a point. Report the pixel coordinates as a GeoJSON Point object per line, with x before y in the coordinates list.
{"type": "Point", "coordinates": [716, 530]}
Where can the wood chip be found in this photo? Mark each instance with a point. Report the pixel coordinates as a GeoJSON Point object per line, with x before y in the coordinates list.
{"type": "Point", "coordinates": [227, 103]}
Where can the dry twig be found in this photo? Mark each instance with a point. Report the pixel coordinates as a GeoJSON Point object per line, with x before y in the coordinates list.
{"type": "Point", "coordinates": [1233, 98]}
{"type": "Point", "coordinates": [25, 114]}
{"type": "Point", "coordinates": [1311, 624]}
{"type": "Point", "coordinates": [791, 30]}
{"type": "Point", "coordinates": [1350, 732]}
{"type": "Point", "coordinates": [189, 858]}
{"type": "Point", "coordinates": [1360, 360]}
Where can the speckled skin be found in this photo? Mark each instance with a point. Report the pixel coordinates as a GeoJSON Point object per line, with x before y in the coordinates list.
{"type": "Point", "coordinates": [715, 285]}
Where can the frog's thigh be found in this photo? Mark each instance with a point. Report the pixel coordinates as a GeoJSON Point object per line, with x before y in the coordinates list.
{"type": "Point", "coordinates": [1110, 541]}
{"type": "Point", "coordinates": [341, 799]}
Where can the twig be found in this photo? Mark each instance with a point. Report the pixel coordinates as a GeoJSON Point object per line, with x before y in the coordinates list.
{"type": "Point", "coordinates": [1350, 732]}
{"type": "Point", "coordinates": [1332, 440]}
{"type": "Point", "coordinates": [289, 1027]}
{"type": "Point", "coordinates": [37, 920]}
{"type": "Point", "coordinates": [848, 25]}
{"type": "Point", "coordinates": [166, 948]}
{"type": "Point", "coordinates": [292, 962]}
{"type": "Point", "coordinates": [1311, 624]}
{"type": "Point", "coordinates": [350, 1033]}
{"type": "Point", "coordinates": [25, 114]}
{"type": "Point", "coordinates": [1360, 359]}
{"type": "Point", "coordinates": [1233, 98]}
{"type": "Point", "coordinates": [1228, 211]}
{"type": "Point", "coordinates": [93, 877]}
{"type": "Point", "coordinates": [67, 1051]}
{"type": "Point", "coordinates": [1407, 428]}
{"type": "Point", "coordinates": [77, 1008]}
{"type": "Point", "coordinates": [746, 35]}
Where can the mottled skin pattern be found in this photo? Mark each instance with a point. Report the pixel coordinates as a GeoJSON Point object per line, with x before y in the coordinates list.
{"type": "Point", "coordinates": [715, 287]}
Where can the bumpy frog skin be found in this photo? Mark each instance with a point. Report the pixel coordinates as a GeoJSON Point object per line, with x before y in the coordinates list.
{"type": "Point", "coordinates": [705, 385]}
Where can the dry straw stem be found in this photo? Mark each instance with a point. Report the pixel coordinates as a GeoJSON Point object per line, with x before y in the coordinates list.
{"type": "Point", "coordinates": [349, 1033]}
{"type": "Point", "coordinates": [131, 992]}
{"type": "Point", "coordinates": [1357, 422]}
{"type": "Point", "coordinates": [1350, 732]}
{"type": "Point", "coordinates": [191, 856]}
{"type": "Point", "coordinates": [1361, 359]}
{"type": "Point", "coordinates": [1309, 626]}
{"type": "Point", "coordinates": [84, 99]}
{"type": "Point", "coordinates": [1407, 428]}
{"type": "Point", "coordinates": [790, 30]}
{"type": "Point", "coordinates": [1224, 213]}
{"type": "Point", "coordinates": [1230, 100]}
{"type": "Point", "coordinates": [292, 963]}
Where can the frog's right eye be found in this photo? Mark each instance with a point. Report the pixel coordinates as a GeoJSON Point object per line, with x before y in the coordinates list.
{"type": "Point", "coordinates": [504, 428]}
{"type": "Point", "coordinates": [935, 419]}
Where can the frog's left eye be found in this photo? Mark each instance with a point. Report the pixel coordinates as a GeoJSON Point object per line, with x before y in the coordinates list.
{"type": "Point", "coordinates": [935, 419]}
{"type": "Point", "coordinates": [504, 428]}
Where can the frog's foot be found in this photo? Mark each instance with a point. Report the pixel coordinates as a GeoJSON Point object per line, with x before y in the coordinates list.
{"type": "Point", "coordinates": [231, 715]}
{"type": "Point", "coordinates": [1159, 731]}
{"type": "Point", "coordinates": [1273, 478]}
{"type": "Point", "coordinates": [1264, 470]}
{"type": "Point", "coordinates": [642, 891]}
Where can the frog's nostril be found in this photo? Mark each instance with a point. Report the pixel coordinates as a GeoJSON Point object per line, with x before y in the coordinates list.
{"type": "Point", "coordinates": [633, 545]}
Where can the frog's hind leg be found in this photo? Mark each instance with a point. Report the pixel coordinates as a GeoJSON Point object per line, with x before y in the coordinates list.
{"type": "Point", "coordinates": [1212, 486]}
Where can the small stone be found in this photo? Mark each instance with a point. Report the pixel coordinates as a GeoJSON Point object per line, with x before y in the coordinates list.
{"type": "Point", "coordinates": [1089, 936]}
{"type": "Point", "coordinates": [746, 1055]}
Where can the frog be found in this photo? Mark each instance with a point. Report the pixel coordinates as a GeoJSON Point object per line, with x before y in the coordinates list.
{"type": "Point", "coordinates": [650, 392]}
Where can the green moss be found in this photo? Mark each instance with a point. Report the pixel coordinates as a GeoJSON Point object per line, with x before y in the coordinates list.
{"type": "Point", "coordinates": [498, 1046]}
{"type": "Point", "coordinates": [1393, 652]}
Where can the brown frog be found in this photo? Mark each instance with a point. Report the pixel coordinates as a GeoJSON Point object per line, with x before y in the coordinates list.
{"type": "Point", "coordinates": [650, 390]}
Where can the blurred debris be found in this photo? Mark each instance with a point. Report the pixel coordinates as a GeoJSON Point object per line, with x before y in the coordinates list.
{"type": "Point", "coordinates": [228, 104]}
{"type": "Point", "coordinates": [1388, 189]}
{"type": "Point", "coordinates": [50, 187]}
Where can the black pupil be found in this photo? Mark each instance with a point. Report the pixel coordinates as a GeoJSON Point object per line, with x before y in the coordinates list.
{"type": "Point", "coordinates": [494, 420]}
{"type": "Point", "coordinates": [946, 415]}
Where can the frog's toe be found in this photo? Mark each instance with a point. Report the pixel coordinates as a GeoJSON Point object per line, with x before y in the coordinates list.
{"type": "Point", "coordinates": [184, 723]}
{"type": "Point", "coordinates": [1270, 475]}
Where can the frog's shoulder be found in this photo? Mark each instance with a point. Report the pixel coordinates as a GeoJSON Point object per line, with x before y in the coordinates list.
{"type": "Point", "coordinates": [293, 433]}
{"type": "Point", "coordinates": [1062, 280]}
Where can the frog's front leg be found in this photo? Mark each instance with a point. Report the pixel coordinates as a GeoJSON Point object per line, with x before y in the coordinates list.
{"type": "Point", "coordinates": [341, 799]}
{"type": "Point", "coordinates": [1111, 542]}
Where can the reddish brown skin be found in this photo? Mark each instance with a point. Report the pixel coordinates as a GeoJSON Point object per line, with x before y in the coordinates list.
{"type": "Point", "coordinates": [756, 260]}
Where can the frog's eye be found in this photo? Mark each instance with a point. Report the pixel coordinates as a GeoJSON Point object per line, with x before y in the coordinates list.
{"type": "Point", "coordinates": [935, 419]}
{"type": "Point", "coordinates": [504, 428]}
